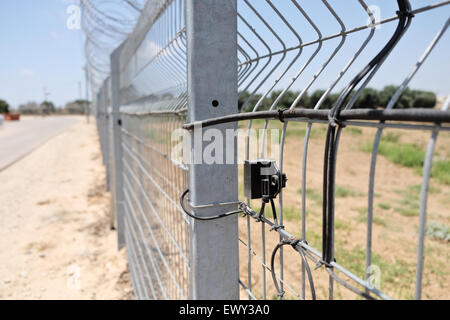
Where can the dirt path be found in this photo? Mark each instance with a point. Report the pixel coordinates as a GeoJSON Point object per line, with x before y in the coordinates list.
{"type": "Point", "coordinates": [55, 240]}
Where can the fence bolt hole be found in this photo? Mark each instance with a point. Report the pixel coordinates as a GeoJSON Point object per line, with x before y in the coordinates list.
{"type": "Point", "coordinates": [215, 103]}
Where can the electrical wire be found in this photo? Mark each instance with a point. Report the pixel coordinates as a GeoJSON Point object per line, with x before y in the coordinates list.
{"type": "Point", "coordinates": [220, 216]}
{"type": "Point", "coordinates": [416, 115]}
{"type": "Point", "coordinates": [293, 243]}
{"type": "Point", "coordinates": [329, 167]}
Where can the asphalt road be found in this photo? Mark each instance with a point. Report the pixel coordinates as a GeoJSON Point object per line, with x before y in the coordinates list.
{"type": "Point", "coordinates": [17, 139]}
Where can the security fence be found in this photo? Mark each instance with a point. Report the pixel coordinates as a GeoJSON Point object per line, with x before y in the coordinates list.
{"type": "Point", "coordinates": [185, 66]}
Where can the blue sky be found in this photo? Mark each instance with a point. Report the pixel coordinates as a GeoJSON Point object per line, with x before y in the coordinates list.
{"type": "Point", "coordinates": [433, 76]}
{"type": "Point", "coordinates": [39, 51]}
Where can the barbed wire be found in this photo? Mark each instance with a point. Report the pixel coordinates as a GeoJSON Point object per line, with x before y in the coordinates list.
{"type": "Point", "coordinates": [106, 24]}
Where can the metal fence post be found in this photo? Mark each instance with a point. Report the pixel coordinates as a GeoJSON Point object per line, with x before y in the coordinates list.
{"type": "Point", "coordinates": [211, 27]}
{"type": "Point", "coordinates": [118, 195]}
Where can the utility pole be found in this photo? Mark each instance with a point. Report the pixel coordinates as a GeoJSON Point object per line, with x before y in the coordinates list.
{"type": "Point", "coordinates": [80, 95]}
{"type": "Point", "coordinates": [87, 107]}
{"type": "Point", "coordinates": [46, 95]}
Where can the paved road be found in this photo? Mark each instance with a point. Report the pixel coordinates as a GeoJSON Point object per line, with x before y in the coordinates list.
{"type": "Point", "coordinates": [17, 139]}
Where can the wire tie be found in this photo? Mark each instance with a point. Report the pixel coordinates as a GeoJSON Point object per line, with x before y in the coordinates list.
{"type": "Point", "coordinates": [408, 14]}
{"type": "Point", "coordinates": [321, 263]}
{"type": "Point", "coordinates": [333, 119]}
{"type": "Point", "coordinates": [281, 114]}
{"type": "Point", "coordinates": [276, 228]}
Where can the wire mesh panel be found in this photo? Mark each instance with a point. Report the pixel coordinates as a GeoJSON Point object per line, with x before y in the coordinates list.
{"type": "Point", "coordinates": [153, 103]}
{"type": "Point", "coordinates": [287, 51]}
{"type": "Point", "coordinates": [362, 169]}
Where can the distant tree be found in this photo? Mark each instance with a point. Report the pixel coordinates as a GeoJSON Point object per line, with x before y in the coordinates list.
{"type": "Point", "coordinates": [76, 107]}
{"type": "Point", "coordinates": [424, 99]}
{"type": "Point", "coordinates": [247, 103]}
{"type": "Point", "coordinates": [369, 99]}
{"type": "Point", "coordinates": [29, 108]}
{"type": "Point", "coordinates": [243, 96]}
{"type": "Point", "coordinates": [4, 106]}
{"type": "Point", "coordinates": [328, 103]}
{"type": "Point", "coordinates": [47, 107]}
{"type": "Point", "coordinates": [404, 102]}
{"type": "Point", "coordinates": [287, 99]}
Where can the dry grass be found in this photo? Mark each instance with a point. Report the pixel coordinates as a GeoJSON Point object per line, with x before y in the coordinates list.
{"type": "Point", "coordinates": [395, 228]}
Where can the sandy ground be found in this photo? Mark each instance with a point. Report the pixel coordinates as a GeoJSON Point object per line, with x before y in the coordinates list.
{"type": "Point", "coordinates": [55, 236]}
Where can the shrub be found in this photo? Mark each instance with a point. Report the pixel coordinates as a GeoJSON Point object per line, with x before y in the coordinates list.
{"type": "Point", "coordinates": [4, 106]}
{"type": "Point", "coordinates": [424, 99]}
{"type": "Point", "coordinates": [369, 99]}
{"type": "Point", "coordinates": [328, 103]}
{"type": "Point", "coordinates": [436, 231]}
{"type": "Point", "coordinates": [251, 103]}
{"type": "Point", "coordinates": [409, 98]}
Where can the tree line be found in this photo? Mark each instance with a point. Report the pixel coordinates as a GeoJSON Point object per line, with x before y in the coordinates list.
{"type": "Point", "coordinates": [369, 99]}
{"type": "Point", "coordinates": [46, 108]}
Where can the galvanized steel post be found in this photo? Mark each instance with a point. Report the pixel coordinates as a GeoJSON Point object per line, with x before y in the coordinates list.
{"type": "Point", "coordinates": [211, 27]}
{"type": "Point", "coordinates": [118, 195]}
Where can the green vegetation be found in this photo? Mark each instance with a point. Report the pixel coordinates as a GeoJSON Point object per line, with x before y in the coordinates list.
{"type": "Point", "coordinates": [354, 131]}
{"type": "Point", "coordinates": [48, 107]}
{"type": "Point", "coordinates": [384, 206]}
{"type": "Point", "coordinates": [342, 192]}
{"type": "Point", "coordinates": [369, 99]}
{"type": "Point", "coordinates": [291, 213]}
{"type": "Point", "coordinates": [409, 98]}
{"type": "Point", "coordinates": [295, 132]}
{"type": "Point", "coordinates": [441, 171]}
{"type": "Point", "coordinates": [341, 225]}
{"type": "Point", "coordinates": [394, 275]}
{"type": "Point", "coordinates": [391, 137]}
{"type": "Point", "coordinates": [362, 218]}
{"type": "Point", "coordinates": [409, 204]}
{"type": "Point", "coordinates": [436, 231]}
{"type": "Point", "coordinates": [4, 106]}
{"type": "Point", "coordinates": [313, 195]}
{"type": "Point", "coordinates": [406, 155]}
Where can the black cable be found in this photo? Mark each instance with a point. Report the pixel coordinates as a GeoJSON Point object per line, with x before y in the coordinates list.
{"type": "Point", "coordinates": [220, 216]}
{"type": "Point", "coordinates": [405, 18]}
{"type": "Point", "coordinates": [416, 115]}
{"type": "Point", "coordinates": [329, 171]}
{"type": "Point", "coordinates": [293, 243]}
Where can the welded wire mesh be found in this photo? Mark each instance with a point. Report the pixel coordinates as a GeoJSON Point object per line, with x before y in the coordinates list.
{"type": "Point", "coordinates": [153, 78]}
{"type": "Point", "coordinates": [283, 46]}
{"type": "Point", "coordinates": [286, 50]}
{"type": "Point", "coordinates": [103, 110]}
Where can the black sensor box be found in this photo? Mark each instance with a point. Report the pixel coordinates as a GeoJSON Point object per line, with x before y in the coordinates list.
{"type": "Point", "coordinates": [262, 179]}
